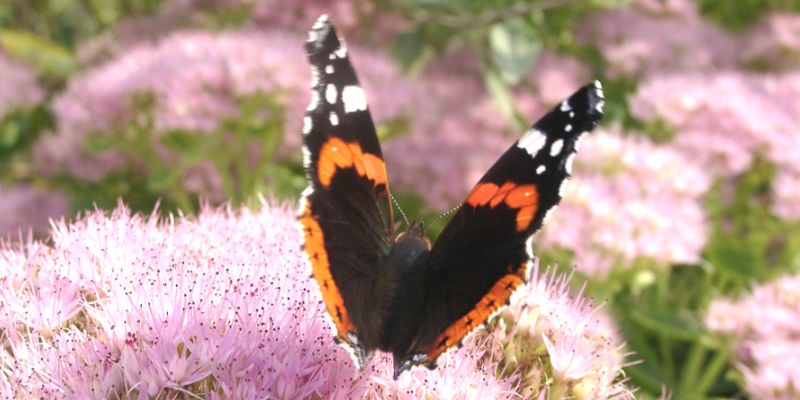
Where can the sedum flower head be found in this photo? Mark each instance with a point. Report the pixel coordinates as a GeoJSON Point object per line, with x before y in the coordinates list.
{"type": "Point", "coordinates": [663, 218]}
{"type": "Point", "coordinates": [653, 37]}
{"type": "Point", "coordinates": [726, 120]}
{"type": "Point", "coordinates": [763, 327]}
{"type": "Point", "coordinates": [221, 306]}
{"type": "Point", "coordinates": [559, 344]}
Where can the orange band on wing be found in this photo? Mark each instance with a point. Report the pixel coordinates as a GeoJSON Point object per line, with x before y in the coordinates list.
{"type": "Point", "coordinates": [501, 194]}
{"type": "Point", "coordinates": [497, 297]}
{"type": "Point", "coordinates": [524, 198]}
{"type": "Point", "coordinates": [338, 154]}
{"type": "Point", "coordinates": [482, 194]}
{"type": "Point", "coordinates": [314, 246]}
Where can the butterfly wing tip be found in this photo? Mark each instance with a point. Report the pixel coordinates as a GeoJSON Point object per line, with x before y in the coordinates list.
{"type": "Point", "coordinates": [596, 98]}
{"type": "Point", "coordinates": [319, 31]}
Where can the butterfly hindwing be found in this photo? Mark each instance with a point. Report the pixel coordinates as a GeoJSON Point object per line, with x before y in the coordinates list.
{"type": "Point", "coordinates": [483, 254]}
{"type": "Point", "coordinates": [345, 212]}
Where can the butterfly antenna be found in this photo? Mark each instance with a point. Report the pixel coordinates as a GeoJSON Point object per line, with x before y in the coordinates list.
{"type": "Point", "coordinates": [399, 209]}
{"type": "Point", "coordinates": [444, 214]}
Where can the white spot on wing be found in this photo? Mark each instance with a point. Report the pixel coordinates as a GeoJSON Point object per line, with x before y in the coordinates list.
{"type": "Point", "coordinates": [320, 22]}
{"type": "Point", "coordinates": [330, 93]}
{"type": "Point", "coordinates": [341, 52]}
{"type": "Point", "coordinates": [313, 34]}
{"type": "Point", "coordinates": [334, 118]}
{"type": "Point", "coordinates": [307, 163]}
{"type": "Point", "coordinates": [572, 114]}
{"type": "Point", "coordinates": [314, 101]}
{"type": "Point", "coordinates": [532, 142]}
{"type": "Point", "coordinates": [565, 106]}
{"type": "Point", "coordinates": [354, 99]}
{"type": "Point", "coordinates": [562, 188]}
{"type": "Point", "coordinates": [599, 89]}
{"type": "Point", "coordinates": [529, 248]}
{"type": "Point", "coordinates": [540, 169]}
{"type": "Point", "coordinates": [570, 159]}
{"type": "Point", "coordinates": [548, 214]}
{"type": "Point", "coordinates": [599, 106]}
{"type": "Point", "coordinates": [556, 147]}
{"type": "Point", "coordinates": [329, 69]}
{"type": "Point", "coordinates": [314, 76]}
{"type": "Point", "coordinates": [307, 125]}
{"type": "Point", "coordinates": [568, 128]}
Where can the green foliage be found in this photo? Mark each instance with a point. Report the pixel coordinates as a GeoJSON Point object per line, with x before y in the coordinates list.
{"type": "Point", "coordinates": [230, 149]}
{"type": "Point", "coordinates": [48, 57]}
{"type": "Point", "coordinates": [68, 22]}
{"type": "Point", "coordinates": [18, 129]}
{"type": "Point", "coordinates": [738, 15]}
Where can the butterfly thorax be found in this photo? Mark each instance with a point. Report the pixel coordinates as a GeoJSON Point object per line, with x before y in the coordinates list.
{"type": "Point", "coordinates": [406, 267]}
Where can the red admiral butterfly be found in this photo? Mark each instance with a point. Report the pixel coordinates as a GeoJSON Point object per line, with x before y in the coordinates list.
{"type": "Point", "coordinates": [397, 293]}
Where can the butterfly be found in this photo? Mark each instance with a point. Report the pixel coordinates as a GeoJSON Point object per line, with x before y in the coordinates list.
{"type": "Point", "coordinates": [397, 292]}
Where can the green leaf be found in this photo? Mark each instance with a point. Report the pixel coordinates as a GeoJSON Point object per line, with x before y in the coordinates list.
{"type": "Point", "coordinates": [409, 48]}
{"type": "Point", "coordinates": [100, 142]}
{"type": "Point", "coordinates": [733, 257]}
{"type": "Point", "coordinates": [666, 323]}
{"type": "Point", "coordinates": [162, 178]}
{"type": "Point", "coordinates": [47, 57]}
{"type": "Point", "coordinates": [501, 94]}
{"type": "Point", "coordinates": [286, 181]}
{"type": "Point", "coordinates": [515, 46]}
{"type": "Point", "coordinates": [180, 141]}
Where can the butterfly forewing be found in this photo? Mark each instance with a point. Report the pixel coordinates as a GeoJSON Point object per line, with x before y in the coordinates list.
{"type": "Point", "coordinates": [345, 212]}
{"type": "Point", "coordinates": [482, 256]}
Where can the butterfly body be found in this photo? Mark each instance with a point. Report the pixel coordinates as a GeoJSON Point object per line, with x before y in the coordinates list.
{"type": "Point", "coordinates": [397, 292]}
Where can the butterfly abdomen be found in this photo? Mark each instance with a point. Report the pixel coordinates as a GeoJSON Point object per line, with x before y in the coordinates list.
{"type": "Point", "coordinates": [406, 263]}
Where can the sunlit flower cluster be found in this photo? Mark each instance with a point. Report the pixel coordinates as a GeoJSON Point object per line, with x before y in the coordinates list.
{"type": "Point", "coordinates": [221, 306]}
{"type": "Point", "coordinates": [726, 120]}
{"type": "Point", "coordinates": [630, 199]}
{"type": "Point", "coordinates": [580, 341]}
{"type": "Point", "coordinates": [763, 327]}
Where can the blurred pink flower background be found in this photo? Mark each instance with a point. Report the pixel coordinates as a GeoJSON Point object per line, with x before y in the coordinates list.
{"type": "Point", "coordinates": [123, 305]}
{"type": "Point", "coordinates": [763, 326]}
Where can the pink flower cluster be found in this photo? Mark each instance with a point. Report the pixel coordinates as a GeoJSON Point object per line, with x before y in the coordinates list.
{"type": "Point", "coordinates": [221, 306]}
{"type": "Point", "coordinates": [630, 199]}
{"type": "Point", "coordinates": [18, 87]}
{"type": "Point", "coordinates": [652, 37]}
{"type": "Point", "coordinates": [25, 209]}
{"type": "Point", "coordinates": [584, 351]}
{"type": "Point", "coordinates": [196, 80]}
{"type": "Point", "coordinates": [700, 79]}
{"type": "Point", "coordinates": [773, 43]}
{"type": "Point", "coordinates": [763, 326]}
{"type": "Point", "coordinates": [726, 119]}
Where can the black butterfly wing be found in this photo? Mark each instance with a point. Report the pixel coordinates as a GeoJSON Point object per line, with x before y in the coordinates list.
{"type": "Point", "coordinates": [483, 254]}
{"type": "Point", "coordinates": [345, 213]}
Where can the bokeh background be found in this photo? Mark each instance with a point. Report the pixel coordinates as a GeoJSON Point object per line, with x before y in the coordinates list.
{"type": "Point", "coordinates": [682, 218]}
